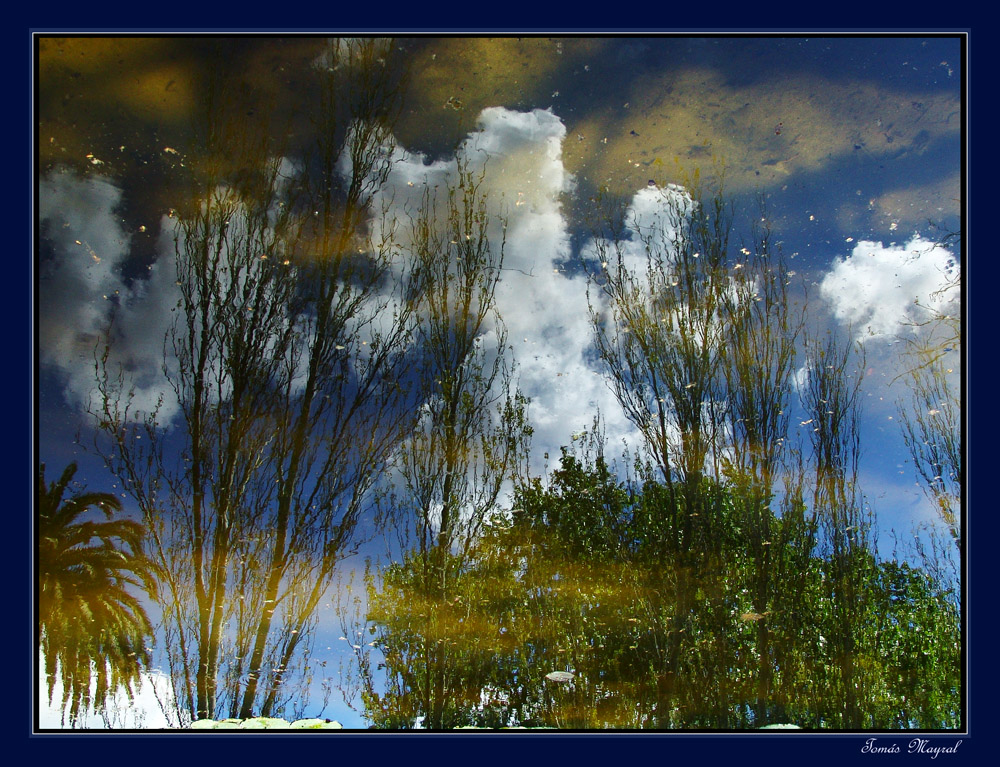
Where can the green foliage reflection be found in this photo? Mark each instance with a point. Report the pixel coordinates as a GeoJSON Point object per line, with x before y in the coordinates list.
{"type": "Point", "coordinates": [732, 582]}
{"type": "Point", "coordinates": [537, 597]}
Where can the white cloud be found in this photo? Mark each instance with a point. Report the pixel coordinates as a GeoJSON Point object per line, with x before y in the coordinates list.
{"type": "Point", "coordinates": [77, 216]}
{"type": "Point", "coordinates": [878, 289]}
{"type": "Point", "coordinates": [542, 306]}
{"type": "Point", "coordinates": [145, 710]}
{"type": "Point", "coordinates": [656, 217]}
{"type": "Point", "coordinates": [83, 287]}
{"type": "Point", "coordinates": [85, 294]}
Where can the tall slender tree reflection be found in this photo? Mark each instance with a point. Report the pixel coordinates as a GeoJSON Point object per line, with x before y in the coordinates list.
{"type": "Point", "coordinates": [760, 353]}
{"type": "Point", "coordinates": [832, 401]}
{"type": "Point", "coordinates": [345, 413]}
{"type": "Point", "coordinates": [931, 419]}
{"type": "Point", "coordinates": [287, 358]}
{"type": "Point", "coordinates": [659, 330]}
{"type": "Point", "coordinates": [470, 440]}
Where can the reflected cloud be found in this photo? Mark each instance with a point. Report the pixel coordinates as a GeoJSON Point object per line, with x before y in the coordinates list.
{"type": "Point", "coordinates": [85, 287]}
{"type": "Point", "coordinates": [542, 303]}
{"type": "Point", "coordinates": [878, 288]}
{"type": "Point", "coordinates": [151, 706]}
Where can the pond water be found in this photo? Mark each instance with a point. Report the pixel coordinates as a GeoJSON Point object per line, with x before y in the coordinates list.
{"type": "Point", "coordinates": [567, 382]}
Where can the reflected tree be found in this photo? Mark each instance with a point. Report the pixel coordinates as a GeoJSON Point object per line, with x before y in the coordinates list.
{"type": "Point", "coordinates": [469, 442]}
{"type": "Point", "coordinates": [760, 351]}
{"type": "Point", "coordinates": [832, 400]}
{"type": "Point", "coordinates": [574, 635]}
{"type": "Point", "coordinates": [931, 419]}
{"type": "Point", "coordinates": [657, 331]}
{"type": "Point", "coordinates": [92, 574]}
{"type": "Point", "coordinates": [917, 622]}
{"type": "Point", "coordinates": [342, 410]}
{"type": "Point", "coordinates": [287, 359]}
{"type": "Point", "coordinates": [472, 430]}
{"type": "Point", "coordinates": [660, 325]}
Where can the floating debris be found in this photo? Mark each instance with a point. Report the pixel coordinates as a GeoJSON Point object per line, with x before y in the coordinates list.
{"type": "Point", "coordinates": [560, 676]}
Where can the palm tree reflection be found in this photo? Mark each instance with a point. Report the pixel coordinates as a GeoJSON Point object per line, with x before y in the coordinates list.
{"type": "Point", "coordinates": [92, 626]}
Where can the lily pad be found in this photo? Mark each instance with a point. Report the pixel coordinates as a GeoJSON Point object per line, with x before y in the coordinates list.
{"type": "Point", "coordinates": [315, 724]}
{"type": "Point", "coordinates": [264, 723]}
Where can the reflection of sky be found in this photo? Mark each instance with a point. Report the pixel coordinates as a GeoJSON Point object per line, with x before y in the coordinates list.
{"type": "Point", "coordinates": [855, 141]}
